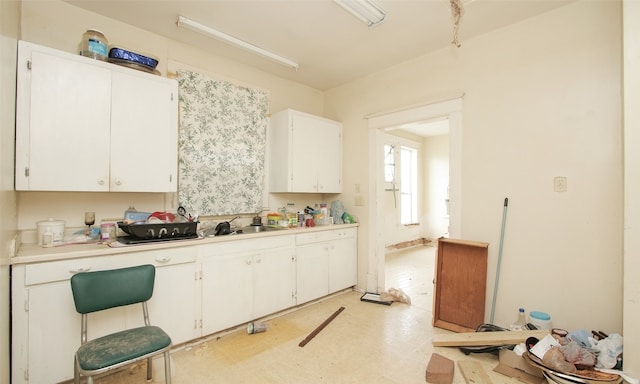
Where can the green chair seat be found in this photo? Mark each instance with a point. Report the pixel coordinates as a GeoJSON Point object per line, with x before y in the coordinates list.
{"type": "Point", "coordinates": [120, 347]}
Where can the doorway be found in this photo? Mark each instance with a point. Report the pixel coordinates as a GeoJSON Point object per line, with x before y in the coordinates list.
{"type": "Point", "coordinates": [379, 125]}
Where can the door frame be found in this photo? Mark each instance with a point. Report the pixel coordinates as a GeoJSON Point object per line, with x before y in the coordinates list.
{"type": "Point", "coordinates": [450, 109]}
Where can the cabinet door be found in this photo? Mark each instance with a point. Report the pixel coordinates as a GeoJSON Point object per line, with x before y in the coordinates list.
{"type": "Point", "coordinates": [273, 281]}
{"type": "Point", "coordinates": [54, 333]}
{"type": "Point", "coordinates": [306, 141]}
{"type": "Point", "coordinates": [312, 271]}
{"type": "Point", "coordinates": [343, 264]}
{"type": "Point", "coordinates": [227, 291]}
{"type": "Point", "coordinates": [173, 305]}
{"type": "Point", "coordinates": [144, 132]}
{"type": "Point", "coordinates": [329, 161]}
{"type": "Point", "coordinates": [460, 285]}
{"type": "Point", "coordinates": [62, 123]}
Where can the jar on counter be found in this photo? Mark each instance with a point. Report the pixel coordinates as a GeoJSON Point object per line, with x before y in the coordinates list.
{"type": "Point", "coordinates": [94, 45]}
{"type": "Point", "coordinates": [108, 232]}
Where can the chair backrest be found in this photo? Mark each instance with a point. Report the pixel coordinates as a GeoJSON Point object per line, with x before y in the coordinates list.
{"type": "Point", "coordinates": [95, 291]}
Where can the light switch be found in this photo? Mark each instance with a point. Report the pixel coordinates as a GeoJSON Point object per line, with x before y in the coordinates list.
{"type": "Point", "coordinates": [560, 184]}
{"type": "Point", "coordinates": [359, 200]}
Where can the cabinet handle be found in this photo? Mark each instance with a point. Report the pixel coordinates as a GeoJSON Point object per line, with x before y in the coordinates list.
{"type": "Point", "coordinates": [117, 182]}
{"type": "Point", "coordinates": [258, 261]}
{"type": "Point", "coordinates": [80, 269]}
{"type": "Point", "coordinates": [101, 181]}
{"type": "Point", "coordinates": [164, 259]}
{"type": "Point", "coordinates": [248, 262]}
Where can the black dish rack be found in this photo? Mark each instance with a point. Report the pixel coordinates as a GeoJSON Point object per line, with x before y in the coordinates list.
{"type": "Point", "coordinates": [160, 231]}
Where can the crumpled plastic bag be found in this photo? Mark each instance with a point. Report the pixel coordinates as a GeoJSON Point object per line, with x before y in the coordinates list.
{"type": "Point", "coordinates": [395, 294]}
{"type": "Point", "coordinates": [336, 211]}
{"type": "Point", "coordinates": [554, 359]}
{"type": "Point", "coordinates": [575, 354]}
{"type": "Point", "coordinates": [608, 350]}
{"type": "Point", "coordinates": [581, 337]}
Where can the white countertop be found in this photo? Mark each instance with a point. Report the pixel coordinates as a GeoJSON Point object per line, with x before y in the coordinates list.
{"type": "Point", "coordinates": [33, 253]}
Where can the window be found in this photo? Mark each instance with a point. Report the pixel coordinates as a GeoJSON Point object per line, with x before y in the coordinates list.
{"type": "Point", "coordinates": [401, 176]}
{"type": "Point", "coordinates": [409, 185]}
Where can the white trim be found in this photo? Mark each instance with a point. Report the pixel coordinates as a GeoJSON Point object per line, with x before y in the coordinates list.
{"type": "Point", "coordinates": [450, 109]}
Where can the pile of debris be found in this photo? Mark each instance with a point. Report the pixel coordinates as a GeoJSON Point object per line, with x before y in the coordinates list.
{"type": "Point", "coordinates": [533, 356]}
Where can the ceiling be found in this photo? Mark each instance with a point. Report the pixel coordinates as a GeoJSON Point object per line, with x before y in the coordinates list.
{"type": "Point", "coordinates": [330, 45]}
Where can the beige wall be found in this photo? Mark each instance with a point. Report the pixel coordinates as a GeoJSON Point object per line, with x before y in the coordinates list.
{"type": "Point", "coordinates": [9, 25]}
{"type": "Point", "coordinates": [542, 99]}
{"type": "Point", "coordinates": [632, 186]}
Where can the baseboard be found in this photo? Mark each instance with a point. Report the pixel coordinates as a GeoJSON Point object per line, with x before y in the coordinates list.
{"type": "Point", "coordinates": [407, 245]}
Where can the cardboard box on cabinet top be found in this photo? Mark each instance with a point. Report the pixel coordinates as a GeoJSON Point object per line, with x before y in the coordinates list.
{"type": "Point", "coordinates": [512, 365]}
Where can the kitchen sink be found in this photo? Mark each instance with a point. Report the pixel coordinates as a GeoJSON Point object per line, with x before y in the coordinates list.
{"type": "Point", "coordinates": [243, 230]}
{"type": "Point", "coordinates": [255, 229]}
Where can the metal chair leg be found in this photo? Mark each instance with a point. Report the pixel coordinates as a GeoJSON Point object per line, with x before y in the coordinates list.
{"type": "Point", "coordinates": [149, 369]}
{"type": "Point", "coordinates": [76, 374]}
{"type": "Point", "coordinates": [167, 367]}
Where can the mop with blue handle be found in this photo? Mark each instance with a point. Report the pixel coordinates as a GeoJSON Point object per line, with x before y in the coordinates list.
{"type": "Point", "coordinates": [495, 286]}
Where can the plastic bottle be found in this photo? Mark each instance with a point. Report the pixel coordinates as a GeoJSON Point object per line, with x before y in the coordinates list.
{"type": "Point", "coordinates": [325, 214]}
{"type": "Point", "coordinates": [47, 238]}
{"type": "Point", "coordinates": [317, 215]}
{"type": "Point", "coordinates": [521, 322]}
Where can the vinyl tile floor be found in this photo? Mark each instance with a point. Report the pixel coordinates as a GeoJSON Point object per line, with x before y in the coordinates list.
{"type": "Point", "coordinates": [366, 343]}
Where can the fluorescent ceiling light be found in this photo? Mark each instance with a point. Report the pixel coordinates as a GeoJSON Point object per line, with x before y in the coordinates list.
{"type": "Point", "coordinates": [365, 10]}
{"type": "Point", "coordinates": [203, 29]}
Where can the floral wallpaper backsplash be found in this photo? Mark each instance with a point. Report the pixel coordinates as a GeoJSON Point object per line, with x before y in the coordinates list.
{"type": "Point", "coordinates": [222, 144]}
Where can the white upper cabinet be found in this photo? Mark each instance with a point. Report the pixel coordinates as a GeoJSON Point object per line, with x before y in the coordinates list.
{"type": "Point", "coordinates": [88, 125]}
{"type": "Point", "coordinates": [144, 133]}
{"type": "Point", "coordinates": [305, 153]}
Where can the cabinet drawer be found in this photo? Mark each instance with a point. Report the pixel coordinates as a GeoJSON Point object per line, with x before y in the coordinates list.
{"type": "Point", "coordinates": [345, 233]}
{"type": "Point", "coordinates": [63, 270]}
{"type": "Point", "coordinates": [315, 237]}
{"type": "Point", "coordinates": [246, 245]}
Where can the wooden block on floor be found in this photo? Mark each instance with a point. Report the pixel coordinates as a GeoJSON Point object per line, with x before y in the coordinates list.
{"type": "Point", "coordinates": [473, 373]}
{"type": "Point", "coordinates": [439, 370]}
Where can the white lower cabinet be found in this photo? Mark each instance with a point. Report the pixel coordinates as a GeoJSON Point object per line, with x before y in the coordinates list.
{"type": "Point", "coordinates": [199, 290]}
{"type": "Point", "coordinates": [326, 262]}
{"type": "Point", "coordinates": [312, 271]}
{"type": "Point", "coordinates": [242, 281]}
{"type": "Point", "coordinates": [343, 260]}
{"type": "Point", "coordinates": [46, 326]}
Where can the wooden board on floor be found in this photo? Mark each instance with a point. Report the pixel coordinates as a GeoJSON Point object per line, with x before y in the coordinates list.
{"type": "Point", "coordinates": [472, 339]}
{"type": "Point", "coordinates": [473, 373]}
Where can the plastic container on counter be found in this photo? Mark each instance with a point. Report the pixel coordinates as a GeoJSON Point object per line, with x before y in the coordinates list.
{"type": "Point", "coordinates": [540, 319]}
{"type": "Point", "coordinates": [108, 232]}
{"type": "Point", "coordinates": [50, 232]}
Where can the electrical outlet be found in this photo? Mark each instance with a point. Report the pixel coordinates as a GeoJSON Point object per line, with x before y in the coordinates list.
{"type": "Point", "coordinates": [560, 184]}
{"type": "Point", "coordinates": [359, 200]}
